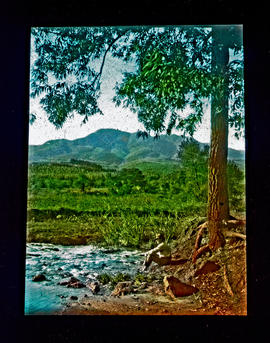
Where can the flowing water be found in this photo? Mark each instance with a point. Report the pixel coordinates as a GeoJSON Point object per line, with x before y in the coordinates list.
{"type": "Point", "coordinates": [59, 263]}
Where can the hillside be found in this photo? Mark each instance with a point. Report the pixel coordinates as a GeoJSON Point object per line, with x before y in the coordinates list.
{"type": "Point", "coordinates": [114, 148]}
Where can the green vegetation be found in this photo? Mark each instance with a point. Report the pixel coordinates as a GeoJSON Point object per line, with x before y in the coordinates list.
{"type": "Point", "coordinates": [82, 203]}
{"type": "Point", "coordinates": [106, 278]}
{"type": "Point", "coordinates": [139, 278]}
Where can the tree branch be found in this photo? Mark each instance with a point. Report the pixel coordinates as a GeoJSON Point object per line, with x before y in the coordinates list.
{"type": "Point", "coordinates": [98, 76]}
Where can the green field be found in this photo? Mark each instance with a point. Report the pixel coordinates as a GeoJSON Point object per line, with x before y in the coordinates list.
{"type": "Point", "coordinates": [82, 203]}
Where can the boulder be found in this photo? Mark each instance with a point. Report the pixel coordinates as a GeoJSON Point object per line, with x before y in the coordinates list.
{"type": "Point", "coordinates": [94, 286]}
{"type": "Point", "coordinates": [208, 267]}
{"type": "Point", "coordinates": [39, 277]}
{"type": "Point", "coordinates": [122, 288]}
{"type": "Point", "coordinates": [175, 288]}
{"type": "Point", "coordinates": [78, 284]}
{"type": "Point", "coordinates": [72, 283]}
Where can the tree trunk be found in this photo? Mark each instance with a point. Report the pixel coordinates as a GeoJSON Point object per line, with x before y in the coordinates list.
{"type": "Point", "coordinates": [218, 204]}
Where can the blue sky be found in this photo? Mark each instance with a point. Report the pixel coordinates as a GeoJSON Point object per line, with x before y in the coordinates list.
{"type": "Point", "coordinates": [114, 117]}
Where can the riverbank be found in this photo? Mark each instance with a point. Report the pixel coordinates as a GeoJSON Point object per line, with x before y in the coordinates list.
{"type": "Point", "coordinates": [139, 304]}
{"type": "Point", "coordinates": [220, 279]}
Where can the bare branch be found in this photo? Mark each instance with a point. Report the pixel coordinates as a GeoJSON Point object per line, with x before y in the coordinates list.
{"type": "Point", "coordinates": [98, 76]}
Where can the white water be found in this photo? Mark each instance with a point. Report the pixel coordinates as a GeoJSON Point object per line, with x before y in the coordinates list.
{"type": "Point", "coordinates": [59, 263]}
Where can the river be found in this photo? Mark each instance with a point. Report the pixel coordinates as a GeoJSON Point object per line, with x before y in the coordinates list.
{"type": "Point", "coordinates": [59, 263]}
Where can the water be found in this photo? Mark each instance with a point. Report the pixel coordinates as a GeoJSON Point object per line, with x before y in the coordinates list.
{"type": "Point", "coordinates": [59, 263]}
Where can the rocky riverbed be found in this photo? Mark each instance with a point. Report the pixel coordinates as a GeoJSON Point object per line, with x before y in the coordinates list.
{"type": "Point", "coordinates": [74, 280]}
{"type": "Point", "coordinates": [50, 270]}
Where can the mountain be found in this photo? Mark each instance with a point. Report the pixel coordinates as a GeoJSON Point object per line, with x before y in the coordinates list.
{"type": "Point", "coordinates": [110, 147]}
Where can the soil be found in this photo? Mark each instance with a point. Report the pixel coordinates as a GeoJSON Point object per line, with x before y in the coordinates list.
{"type": "Point", "coordinates": [220, 278]}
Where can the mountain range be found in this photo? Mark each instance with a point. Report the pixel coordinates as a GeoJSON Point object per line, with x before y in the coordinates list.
{"type": "Point", "coordinates": [110, 147]}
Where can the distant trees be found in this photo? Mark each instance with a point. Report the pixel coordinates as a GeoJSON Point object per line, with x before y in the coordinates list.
{"type": "Point", "coordinates": [127, 181]}
{"type": "Point", "coordinates": [194, 174]}
{"type": "Point", "coordinates": [194, 167]}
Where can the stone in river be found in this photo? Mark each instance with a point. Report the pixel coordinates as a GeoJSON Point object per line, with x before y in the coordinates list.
{"type": "Point", "coordinates": [109, 251]}
{"type": "Point", "coordinates": [39, 277]}
{"type": "Point", "coordinates": [94, 286]}
{"type": "Point", "coordinates": [72, 283]}
{"type": "Point", "coordinates": [73, 297]}
{"type": "Point", "coordinates": [52, 249]}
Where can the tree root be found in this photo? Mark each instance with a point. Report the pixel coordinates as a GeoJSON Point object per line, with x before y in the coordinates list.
{"type": "Point", "coordinates": [234, 234]}
{"type": "Point", "coordinates": [199, 252]}
{"type": "Point", "coordinates": [199, 235]}
{"type": "Point", "coordinates": [176, 262]}
{"type": "Point", "coordinates": [232, 223]}
{"type": "Point", "coordinates": [226, 282]}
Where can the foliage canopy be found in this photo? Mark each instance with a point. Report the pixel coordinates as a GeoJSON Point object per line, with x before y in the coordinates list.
{"type": "Point", "coordinates": [173, 73]}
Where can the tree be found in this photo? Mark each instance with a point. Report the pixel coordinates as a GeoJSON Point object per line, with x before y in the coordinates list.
{"type": "Point", "coordinates": [177, 68]}
{"type": "Point", "coordinates": [194, 160]}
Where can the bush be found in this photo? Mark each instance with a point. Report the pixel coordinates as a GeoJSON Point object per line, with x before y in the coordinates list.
{"type": "Point", "coordinates": [106, 278]}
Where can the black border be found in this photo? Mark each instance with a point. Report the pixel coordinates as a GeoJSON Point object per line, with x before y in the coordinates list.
{"type": "Point", "coordinates": [17, 18]}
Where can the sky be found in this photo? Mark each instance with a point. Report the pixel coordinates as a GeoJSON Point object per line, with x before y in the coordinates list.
{"type": "Point", "coordinates": [114, 117]}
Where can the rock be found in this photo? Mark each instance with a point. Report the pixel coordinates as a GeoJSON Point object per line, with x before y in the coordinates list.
{"type": "Point", "coordinates": [94, 286]}
{"type": "Point", "coordinates": [39, 277]}
{"type": "Point", "coordinates": [62, 283]}
{"type": "Point", "coordinates": [76, 285]}
{"type": "Point", "coordinates": [73, 297]}
{"type": "Point", "coordinates": [122, 288]}
{"type": "Point", "coordinates": [155, 289]}
{"type": "Point", "coordinates": [208, 267]}
{"type": "Point", "coordinates": [143, 285]}
{"type": "Point", "coordinates": [72, 283]}
{"type": "Point", "coordinates": [109, 251]}
{"type": "Point", "coordinates": [175, 288]}
{"type": "Point", "coordinates": [66, 274]}
{"type": "Point", "coordinates": [52, 248]}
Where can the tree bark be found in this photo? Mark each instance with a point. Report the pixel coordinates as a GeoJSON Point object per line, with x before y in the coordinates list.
{"type": "Point", "coordinates": [218, 204]}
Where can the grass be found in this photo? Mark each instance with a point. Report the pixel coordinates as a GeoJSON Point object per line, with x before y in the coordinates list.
{"type": "Point", "coordinates": [77, 204]}
{"type": "Point", "coordinates": [125, 230]}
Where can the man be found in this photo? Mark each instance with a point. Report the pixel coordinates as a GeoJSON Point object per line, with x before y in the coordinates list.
{"type": "Point", "coordinates": [161, 254]}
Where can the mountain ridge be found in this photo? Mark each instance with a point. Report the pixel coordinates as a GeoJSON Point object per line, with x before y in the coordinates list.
{"type": "Point", "coordinates": [114, 147]}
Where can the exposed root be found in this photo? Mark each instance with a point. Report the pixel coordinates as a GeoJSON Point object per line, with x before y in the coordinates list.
{"type": "Point", "coordinates": [226, 282]}
{"type": "Point", "coordinates": [175, 262]}
{"type": "Point", "coordinates": [199, 252]}
{"type": "Point", "coordinates": [230, 224]}
{"type": "Point", "coordinates": [199, 235]}
{"type": "Point", "coordinates": [234, 234]}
